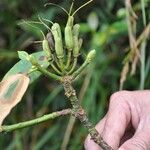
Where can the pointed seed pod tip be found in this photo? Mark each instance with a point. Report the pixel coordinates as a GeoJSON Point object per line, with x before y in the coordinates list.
{"type": "Point", "coordinates": [91, 55]}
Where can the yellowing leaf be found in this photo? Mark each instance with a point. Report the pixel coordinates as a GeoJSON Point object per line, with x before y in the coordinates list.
{"type": "Point", "coordinates": [11, 92]}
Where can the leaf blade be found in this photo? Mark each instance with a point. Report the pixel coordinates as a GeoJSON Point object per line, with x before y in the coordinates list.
{"type": "Point", "coordinates": [10, 97]}
{"type": "Point", "coordinates": [25, 67]}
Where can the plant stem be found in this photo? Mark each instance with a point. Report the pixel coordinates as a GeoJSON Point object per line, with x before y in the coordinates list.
{"type": "Point", "coordinates": [9, 128]}
{"type": "Point", "coordinates": [47, 73]}
{"type": "Point", "coordinates": [77, 72]}
{"type": "Point", "coordinates": [80, 113]}
{"type": "Point", "coordinates": [71, 123]}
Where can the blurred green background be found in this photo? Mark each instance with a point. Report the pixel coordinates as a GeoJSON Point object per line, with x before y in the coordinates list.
{"type": "Point", "coordinates": [104, 28]}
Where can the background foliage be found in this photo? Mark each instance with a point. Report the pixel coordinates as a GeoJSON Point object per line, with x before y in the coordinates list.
{"type": "Point", "coordinates": [103, 27]}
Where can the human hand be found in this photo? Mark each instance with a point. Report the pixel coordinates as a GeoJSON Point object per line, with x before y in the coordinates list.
{"type": "Point", "coordinates": [126, 126]}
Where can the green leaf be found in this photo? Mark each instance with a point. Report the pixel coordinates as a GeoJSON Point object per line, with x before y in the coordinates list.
{"type": "Point", "coordinates": [23, 55]}
{"type": "Point", "coordinates": [25, 67]}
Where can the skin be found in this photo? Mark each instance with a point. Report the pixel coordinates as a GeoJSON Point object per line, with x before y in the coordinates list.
{"type": "Point", "coordinates": [126, 126]}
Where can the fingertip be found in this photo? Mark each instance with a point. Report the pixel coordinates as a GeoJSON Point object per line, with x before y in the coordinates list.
{"type": "Point", "coordinates": [89, 144]}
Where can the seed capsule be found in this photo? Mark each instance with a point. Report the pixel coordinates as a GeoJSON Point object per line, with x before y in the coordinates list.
{"type": "Point", "coordinates": [46, 49]}
{"type": "Point", "coordinates": [80, 43]}
{"type": "Point", "coordinates": [50, 40]}
{"type": "Point", "coordinates": [76, 48]}
{"type": "Point", "coordinates": [69, 34]}
{"type": "Point", "coordinates": [91, 56]}
{"type": "Point", "coordinates": [56, 31]}
{"type": "Point", "coordinates": [70, 21]}
{"type": "Point", "coordinates": [68, 38]}
{"type": "Point", "coordinates": [59, 48]}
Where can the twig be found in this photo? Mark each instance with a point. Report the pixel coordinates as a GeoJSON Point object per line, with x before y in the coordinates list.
{"type": "Point", "coordinates": [80, 113]}
{"type": "Point", "coordinates": [9, 128]}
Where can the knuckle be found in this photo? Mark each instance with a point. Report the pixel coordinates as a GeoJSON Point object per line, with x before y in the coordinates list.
{"type": "Point", "coordinates": [115, 97]}
{"type": "Point", "coordinates": [140, 146]}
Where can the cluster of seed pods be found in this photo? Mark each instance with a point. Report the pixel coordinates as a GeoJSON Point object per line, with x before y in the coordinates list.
{"type": "Point", "coordinates": [62, 51]}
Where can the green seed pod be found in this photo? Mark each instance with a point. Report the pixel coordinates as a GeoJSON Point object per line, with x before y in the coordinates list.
{"type": "Point", "coordinates": [56, 30]}
{"type": "Point", "coordinates": [69, 34]}
{"type": "Point", "coordinates": [76, 29]}
{"type": "Point", "coordinates": [76, 48]}
{"type": "Point", "coordinates": [58, 40]}
{"type": "Point", "coordinates": [68, 38]}
{"type": "Point", "coordinates": [50, 40]}
{"type": "Point", "coordinates": [91, 56]}
{"type": "Point", "coordinates": [59, 48]}
{"type": "Point", "coordinates": [70, 21]}
{"type": "Point", "coordinates": [80, 43]}
{"type": "Point", "coordinates": [46, 49]}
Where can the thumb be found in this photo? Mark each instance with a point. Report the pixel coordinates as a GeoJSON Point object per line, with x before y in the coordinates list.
{"type": "Point", "coordinates": [139, 141]}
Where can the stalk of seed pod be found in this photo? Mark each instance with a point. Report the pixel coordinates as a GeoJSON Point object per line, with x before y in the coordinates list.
{"type": "Point", "coordinates": [90, 57]}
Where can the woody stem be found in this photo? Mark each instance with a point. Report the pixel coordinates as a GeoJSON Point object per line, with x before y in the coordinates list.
{"type": "Point", "coordinates": [80, 113]}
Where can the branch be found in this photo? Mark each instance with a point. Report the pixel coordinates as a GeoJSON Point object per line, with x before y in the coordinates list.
{"type": "Point", "coordinates": [9, 128]}
{"type": "Point", "coordinates": [80, 113]}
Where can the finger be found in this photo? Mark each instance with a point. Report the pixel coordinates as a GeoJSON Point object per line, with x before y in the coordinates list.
{"type": "Point", "coordinates": [128, 135]}
{"type": "Point", "coordinates": [89, 143]}
{"type": "Point", "coordinates": [139, 142]}
{"type": "Point", "coordinates": [118, 118]}
{"type": "Point", "coordinates": [141, 139]}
